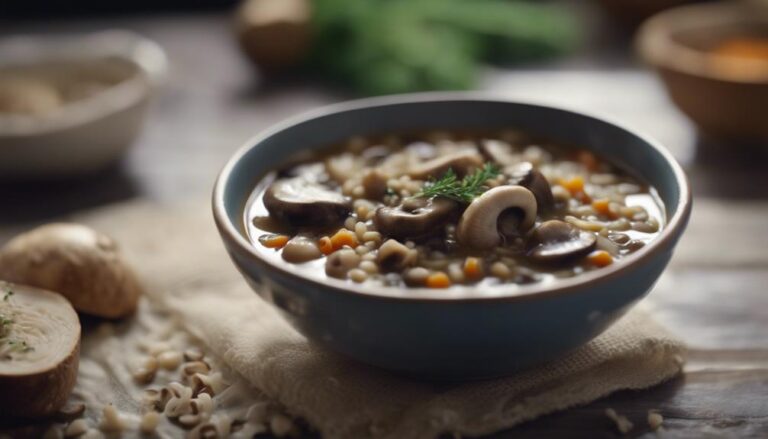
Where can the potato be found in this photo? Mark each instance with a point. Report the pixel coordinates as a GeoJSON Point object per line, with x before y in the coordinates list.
{"type": "Point", "coordinates": [39, 348]}
{"type": "Point", "coordinates": [79, 263]}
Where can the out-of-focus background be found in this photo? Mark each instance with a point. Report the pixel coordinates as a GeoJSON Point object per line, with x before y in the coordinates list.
{"type": "Point", "coordinates": [102, 102]}
{"type": "Point", "coordinates": [222, 70]}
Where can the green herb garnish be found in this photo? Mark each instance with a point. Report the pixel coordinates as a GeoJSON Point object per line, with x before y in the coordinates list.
{"type": "Point", "coordinates": [20, 345]}
{"type": "Point", "coordinates": [7, 295]}
{"type": "Point", "coordinates": [464, 190]}
{"type": "Point", "coordinates": [5, 325]}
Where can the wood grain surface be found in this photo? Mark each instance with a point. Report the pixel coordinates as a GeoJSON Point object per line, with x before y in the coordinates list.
{"type": "Point", "coordinates": [714, 295]}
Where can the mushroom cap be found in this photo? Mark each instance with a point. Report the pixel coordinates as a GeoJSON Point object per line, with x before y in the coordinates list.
{"type": "Point", "coordinates": [415, 217]}
{"type": "Point", "coordinates": [301, 202]}
{"type": "Point", "coordinates": [77, 262]}
{"type": "Point", "coordinates": [524, 174]}
{"type": "Point", "coordinates": [36, 382]}
{"type": "Point", "coordinates": [478, 226]}
{"type": "Point", "coordinates": [462, 162]}
{"type": "Point", "coordinates": [556, 241]}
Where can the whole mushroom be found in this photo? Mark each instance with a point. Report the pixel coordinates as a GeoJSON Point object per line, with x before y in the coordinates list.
{"type": "Point", "coordinates": [556, 241]}
{"type": "Point", "coordinates": [479, 226]}
{"type": "Point", "coordinates": [76, 261]}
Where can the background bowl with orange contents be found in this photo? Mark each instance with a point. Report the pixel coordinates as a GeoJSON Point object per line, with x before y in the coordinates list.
{"type": "Point", "coordinates": [713, 60]}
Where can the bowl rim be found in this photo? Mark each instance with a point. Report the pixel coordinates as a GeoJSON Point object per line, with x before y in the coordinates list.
{"type": "Point", "coordinates": [655, 44]}
{"type": "Point", "coordinates": [507, 292]}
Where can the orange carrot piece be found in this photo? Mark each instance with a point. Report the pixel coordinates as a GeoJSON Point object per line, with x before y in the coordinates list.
{"type": "Point", "coordinates": [601, 206]}
{"type": "Point", "coordinates": [325, 245]}
{"type": "Point", "coordinates": [438, 280]}
{"type": "Point", "coordinates": [472, 268]}
{"type": "Point", "coordinates": [273, 241]}
{"type": "Point", "coordinates": [574, 185]}
{"type": "Point", "coordinates": [600, 258]}
{"type": "Point", "coordinates": [344, 237]}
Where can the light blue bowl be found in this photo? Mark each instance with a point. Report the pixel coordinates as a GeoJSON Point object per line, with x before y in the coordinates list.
{"type": "Point", "coordinates": [463, 332]}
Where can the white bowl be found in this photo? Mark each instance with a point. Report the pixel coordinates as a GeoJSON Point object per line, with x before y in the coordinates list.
{"type": "Point", "coordinates": [87, 134]}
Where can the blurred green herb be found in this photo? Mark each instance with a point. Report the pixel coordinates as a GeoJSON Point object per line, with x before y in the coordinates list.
{"type": "Point", "coordinates": [7, 295]}
{"type": "Point", "coordinates": [20, 345]}
{"type": "Point", "coordinates": [464, 190]}
{"type": "Point", "coordinates": [394, 46]}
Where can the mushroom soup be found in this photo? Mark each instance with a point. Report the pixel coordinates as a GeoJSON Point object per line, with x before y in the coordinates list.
{"type": "Point", "coordinates": [441, 210]}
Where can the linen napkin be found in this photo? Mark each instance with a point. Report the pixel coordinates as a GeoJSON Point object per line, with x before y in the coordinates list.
{"type": "Point", "coordinates": [183, 263]}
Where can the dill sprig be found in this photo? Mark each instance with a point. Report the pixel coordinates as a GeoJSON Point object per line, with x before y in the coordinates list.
{"type": "Point", "coordinates": [464, 190]}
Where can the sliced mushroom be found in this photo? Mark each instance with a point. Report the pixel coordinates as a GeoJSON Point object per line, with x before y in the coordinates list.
{"type": "Point", "coordinates": [394, 256]}
{"type": "Point", "coordinates": [39, 347]}
{"type": "Point", "coordinates": [301, 249]}
{"type": "Point", "coordinates": [556, 241]}
{"type": "Point", "coordinates": [498, 152]}
{"type": "Point", "coordinates": [524, 174]}
{"type": "Point", "coordinates": [462, 162]}
{"type": "Point", "coordinates": [299, 202]}
{"type": "Point", "coordinates": [415, 217]}
{"type": "Point", "coordinates": [479, 225]}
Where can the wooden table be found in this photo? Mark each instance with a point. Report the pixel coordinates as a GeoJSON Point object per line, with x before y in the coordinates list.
{"type": "Point", "coordinates": [713, 296]}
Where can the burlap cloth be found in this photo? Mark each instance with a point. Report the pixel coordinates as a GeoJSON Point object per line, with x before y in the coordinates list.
{"type": "Point", "coordinates": [179, 255]}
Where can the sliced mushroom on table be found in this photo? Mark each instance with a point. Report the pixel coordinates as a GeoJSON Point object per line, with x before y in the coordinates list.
{"type": "Point", "coordinates": [524, 174]}
{"type": "Point", "coordinates": [415, 217]}
{"type": "Point", "coordinates": [299, 202]}
{"type": "Point", "coordinates": [39, 347]}
{"type": "Point", "coordinates": [556, 241]}
{"type": "Point", "coordinates": [462, 162]}
{"type": "Point", "coordinates": [479, 224]}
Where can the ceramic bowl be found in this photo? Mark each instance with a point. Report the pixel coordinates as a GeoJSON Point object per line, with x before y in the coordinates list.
{"type": "Point", "coordinates": [86, 134]}
{"type": "Point", "coordinates": [462, 332]}
{"type": "Point", "coordinates": [727, 98]}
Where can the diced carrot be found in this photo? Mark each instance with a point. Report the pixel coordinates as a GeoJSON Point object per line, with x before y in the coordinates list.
{"type": "Point", "coordinates": [574, 185]}
{"type": "Point", "coordinates": [601, 206]}
{"type": "Point", "coordinates": [588, 159]}
{"type": "Point", "coordinates": [472, 268]}
{"type": "Point", "coordinates": [344, 237]}
{"type": "Point", "coordinates": [325, 245]}
{"type": "Point", "coordinates": [600, 258]}
{"type": "Point", "coordinates": [273, 241]}
{"type": "Point", "coordinates": [438, 280]}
